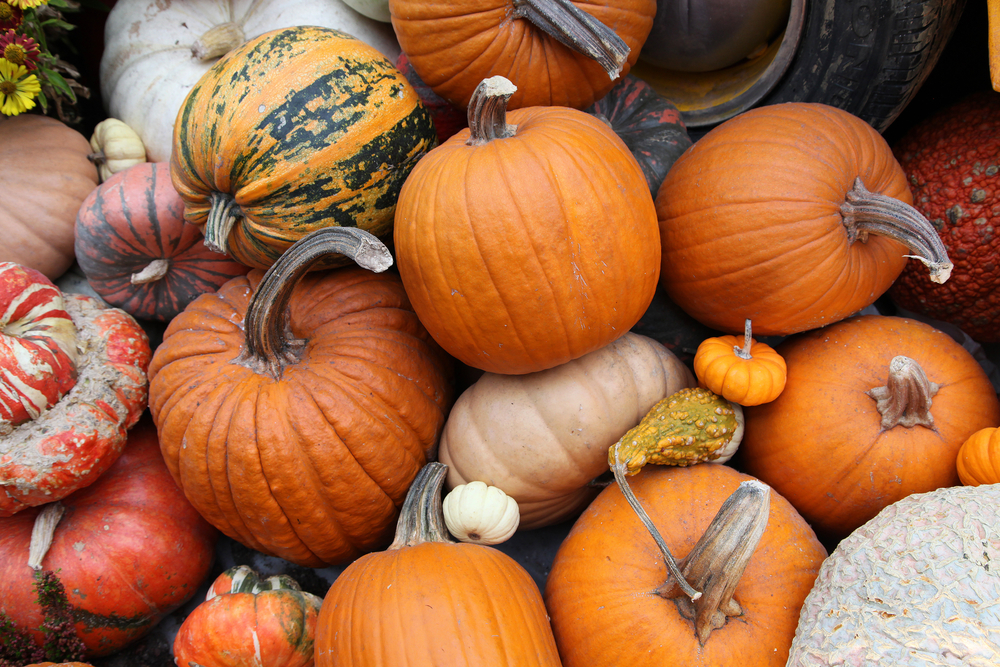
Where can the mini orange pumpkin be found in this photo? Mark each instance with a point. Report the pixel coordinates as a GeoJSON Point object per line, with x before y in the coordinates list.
{"type": "Point", "coordinates": [748, 375]}
{"type": "Point", "coordinates": [979, 458]}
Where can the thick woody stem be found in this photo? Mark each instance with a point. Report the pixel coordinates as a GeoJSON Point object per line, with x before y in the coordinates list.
{"type": "Point", "coordinates": [222, 217]}
{"type": "Point", "coordinates": [155, 270]}
{"type": "Point", "coordinates": [218, 41]}
{"type": "Point", "coordinates": [421, 518]}
{"type": "Point", "coordinates": [720, 557]}
{"type": "Point", "coordinates": [619, 469]}
{"type": "Point", "coordinates": [866, 212]}
{"type": "Point", "coordinates": [269, 345]}
{"type": "Point", "coordinates": [578, 30]}
{"type": "Point", "coordinates": [488, 111]}
{"type": "Point", "coordinates": [43, 532]}
{"type": "Point", "coordinates": [905, 400]}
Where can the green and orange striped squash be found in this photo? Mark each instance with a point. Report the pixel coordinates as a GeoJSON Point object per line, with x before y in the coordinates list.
{"type": "Point", "coordinates": [299, 129]}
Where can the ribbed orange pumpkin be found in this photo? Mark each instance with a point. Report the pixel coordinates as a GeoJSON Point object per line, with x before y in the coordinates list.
{"type": "Point", "coordinates": [298, 433]}
{"type": "Point", "coordinates": [857, 427]}
{"type": "Point", "coordinates": [788, 215]}
{"type": "Point", "coordinates": [428, 600]}
{"type": "Point", "coordinates": [453, 46]}
{"type": "Point", "coordinates": [979, 458]}
{"type": "Point", "coordinates": [529, 240]}
{"type": "Point", "coordinates": [613, 603]}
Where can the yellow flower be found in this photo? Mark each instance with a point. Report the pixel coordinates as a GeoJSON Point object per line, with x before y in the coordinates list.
{"type": "Point", "coordinates": [17, 88]}
{"type": "Point", "coordinates": [27, 4]}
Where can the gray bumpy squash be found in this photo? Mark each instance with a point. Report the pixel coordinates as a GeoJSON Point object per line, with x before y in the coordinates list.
{"type": "Point", "coordinates": [917, 585]}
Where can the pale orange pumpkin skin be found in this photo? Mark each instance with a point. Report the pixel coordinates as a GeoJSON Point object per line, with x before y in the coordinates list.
{"type": "Point", "coordinates": [979, 458]}
{"type": "Point", "coordinates": [528, 251]}
{"type": "Point", "coordinates": [46, 178]}
{"type": "Point", "coordinates": [751, 226]}
{"type": "Point", "coordinates": [600, 596]}
{"type": "Point", "coordinates": [454, 46]}
{"type": "Point", "coordinates": [821, 443]}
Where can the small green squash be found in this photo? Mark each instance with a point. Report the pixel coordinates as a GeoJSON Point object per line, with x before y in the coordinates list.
{"type": "Point", "coordinates": [299, 129]}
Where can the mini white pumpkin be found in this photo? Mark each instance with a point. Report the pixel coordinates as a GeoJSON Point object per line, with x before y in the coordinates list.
{"type": "Point", "coordinates": [481, 514]}
{"type": "Point", "coordinates": [116, 147]}
{"type": "Point", "coordinates": [155, 51]}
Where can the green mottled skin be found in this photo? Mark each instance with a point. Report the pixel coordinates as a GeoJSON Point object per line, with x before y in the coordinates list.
{"type": "Point", "coordinates": [306, 128]}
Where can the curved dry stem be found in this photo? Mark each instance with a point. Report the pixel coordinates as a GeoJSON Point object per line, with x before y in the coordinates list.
{"type": "Point", "coordinates": [488, 111]}
{"type": "Point", "coordinates": [866, 212]}
{"type": "Point", "coordinates": [155, 270]}
{"type": "Point", "coordinates": [744, 352]}
{"type": "Point", "coordinates": [421, 518]}
{"type": "Point", "coordinates": [43, 532]}
{"type": "Point", "coordinates": [905, 400]}
{"type": "Point", "coordinates": [223, 215]}
{"type": "Point", "coordinates": [218, 41]}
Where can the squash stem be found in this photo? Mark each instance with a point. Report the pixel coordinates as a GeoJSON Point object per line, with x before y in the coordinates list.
{"type": "Point", "coordinates": [155, 270]}
{"type": "Point", "coordinates": [905, 400]}
{"type": "Point", "coordinates": [720, 558]}
{"type": "Point", "coordinates": [866, 212]}
{"type": "Point", "coordinates": [222, 216]}
{"type": "Point", "coordinates": [269, 343]}
{"type": "Point", "coordinates": [619, 470]}
{"type": "Point", "coordinates": [744, 352]}
{"type": "Point", "coordinates": [218, 41]}
{"type": "Point", "coordinates": [488, 111]}
{"type": "Point", "coordinates": [97, 158]}
{"type": "Point", "coordinates": [571, 26]}
{"type": "Point", "coordinates": [43, 532]}
{"type": "Point", "coordinates": [422, 518]}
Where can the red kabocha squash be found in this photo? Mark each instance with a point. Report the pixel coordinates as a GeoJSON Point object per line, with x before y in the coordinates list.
{"type": "Point", "coordinates": [556, 53]}
{"type": "Point", "coordinates": [295, 411]}
{"type": "Point", "coordinates": [430, 600]}
{"type": "Point", "coordinates": [296, 130]}
{"type": "Point", "coordinates": [73, 383]}
{"type": "Point", "coordinates": [46, 177]}
{"type": "Point", "coordinates": [528, 240]}
{"type": "Point", "coordinates": [952, 160]}
{"type": "Point", "coordinates": [137, 251]}
{"type": "Point", "coordinates": [612, 601]}
{"type": "Point", "coordinates": [792, 215]}
{"type": "Point", "coordinates": [128, 549]}
{"type": "Point", "coordinates": [874, 409]}
{"type": "Point", "coordinates": [246, 620]}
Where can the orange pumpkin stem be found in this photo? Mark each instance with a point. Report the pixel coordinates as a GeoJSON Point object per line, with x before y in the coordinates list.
{"type": "Point", "coordinates": [42, 533]}
{"type": "Point", "coordinates": [422, 518]}
{"type": "Point", "coordinates": [218, 41]}
{"type": "Point", "coordinates": [269, 345]}
{"type": "Point", "coordinates": [578, 30]}
{"type": "Point", "coordinates": [905, 400]}
{"type": "Point", "coordinates": [866, 212]}
{"type": "Point", "coordinates": [155, 270]}
{"type": "Point", "coordinates": [620, 469]}
{"type": "Point", "coordinates": [744, 352]}
{"type": "Point", "coordinates": [720, 557]}
{"type": "Point", "coordinates": [488, 111]}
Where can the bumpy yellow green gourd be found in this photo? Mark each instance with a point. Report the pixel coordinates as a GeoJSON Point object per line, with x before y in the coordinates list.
{"type": "Point", "coordinates": [688, 427]}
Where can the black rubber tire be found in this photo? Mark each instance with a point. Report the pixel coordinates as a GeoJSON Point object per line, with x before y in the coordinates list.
{"type": "Point", "coordinates": [868, 57]}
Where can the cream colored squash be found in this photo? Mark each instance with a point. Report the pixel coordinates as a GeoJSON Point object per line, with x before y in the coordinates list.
{"type": "Point", "coordinates": [481, 514]}
{"type": "Point", "coordinates": [373, 9]}
{"type": "Point", "coordinates": [543, 437]}
{"type": "Point", "coordinates": [116, 147]}
{"type": "Point", "coordinates": [156, 51]}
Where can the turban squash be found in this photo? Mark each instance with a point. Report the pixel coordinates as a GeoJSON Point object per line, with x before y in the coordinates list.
{"type": "Point", "coordinates": [296, 130]}
{"type": "Point", "coordinates": [792, 215]}
{"type": "Point", "coordinates": [527, 240]}
{"type": "Point", "coordinates": [295, 411]}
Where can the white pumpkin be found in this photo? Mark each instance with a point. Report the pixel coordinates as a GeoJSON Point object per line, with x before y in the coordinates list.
{"type": "Point", "coordinates": [481, 514]}
{"type": "Point", "coordinates": [116, 147]}
{"type": "Point", "coordinates": [155, 52]}
{"type": "Point", "coordinates": [373, 9]}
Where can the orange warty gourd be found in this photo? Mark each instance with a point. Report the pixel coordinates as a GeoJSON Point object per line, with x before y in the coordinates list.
{"type": "Point", "coordinates": [528, 240]}
{"type": "Point", "coordinates": [745, 371]}
{"type": "Point", "coordinates": [875, 409]}
{"type": "Point", "coordinates": [556, 53]}
{"type": "Point", "coordinates": [979, 458]}
{"type": "Point", "coordinates": [429, 600]}
{"type": "Point", "coordinates": [612, 601]}
{"type": "Point", "coordinates": [791, 215]}
{"type": "Point", "coordinates": [294, 412]}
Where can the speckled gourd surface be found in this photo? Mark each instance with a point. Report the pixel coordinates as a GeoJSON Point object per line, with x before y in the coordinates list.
{"type": "Point", "coordinates": [917, 585]}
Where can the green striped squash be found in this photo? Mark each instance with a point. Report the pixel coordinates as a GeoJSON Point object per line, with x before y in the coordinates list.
{"type": "Point", "coordinates": [298, 129]}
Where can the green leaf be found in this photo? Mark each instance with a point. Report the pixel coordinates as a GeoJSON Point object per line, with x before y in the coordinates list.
{"type": "Point", "coordinates": [57, 81]}
{"type": "Point", "coordinates": [59, 23]}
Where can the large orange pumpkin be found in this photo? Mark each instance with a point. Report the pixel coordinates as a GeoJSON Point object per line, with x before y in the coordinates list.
{"type": "Point", "coordinates": [529, 240]}
{"type": "Point", "coordinates": [791, 215]}
{"type": "Point", "coordinates": [534, 43]}
{"type": "Point", "coordinates": [612, 601]}
{"type": "Point", "coordinates": [295, 413]}
{"type": "Point", "coordinates": [857, 428]}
